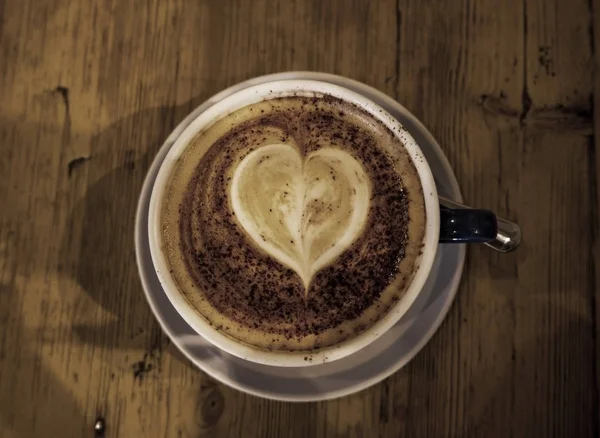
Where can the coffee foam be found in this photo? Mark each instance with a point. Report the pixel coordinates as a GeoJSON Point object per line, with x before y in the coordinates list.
{"type": "Point", "coordinates": [293, 278]}
{"type": "Point", "coordinates": [303, 212]}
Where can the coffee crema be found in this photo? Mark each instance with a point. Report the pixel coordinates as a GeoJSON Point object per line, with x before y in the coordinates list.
{"type": "Point", "coordinates": [293, 223]}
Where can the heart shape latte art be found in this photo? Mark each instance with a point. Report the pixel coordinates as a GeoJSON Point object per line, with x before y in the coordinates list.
{"type": "Point", "coordinates": [302, 211]}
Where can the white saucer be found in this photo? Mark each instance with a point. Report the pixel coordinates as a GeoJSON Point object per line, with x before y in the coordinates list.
{"type": "Point", "coordinates": [335, 379]}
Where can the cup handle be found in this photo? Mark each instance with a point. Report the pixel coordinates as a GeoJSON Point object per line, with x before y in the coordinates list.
{"type": "Point", "coordinates": [467, 225]}
{"type": "Point", "coordinates": [476, 226]}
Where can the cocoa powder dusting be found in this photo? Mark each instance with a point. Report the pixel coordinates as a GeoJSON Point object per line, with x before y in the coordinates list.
{"type": "Point", "coordinates": [250, 287]}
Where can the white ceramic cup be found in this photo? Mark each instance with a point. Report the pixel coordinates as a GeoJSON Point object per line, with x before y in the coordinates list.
{"type": "Point", "coordinates": [239, 100]}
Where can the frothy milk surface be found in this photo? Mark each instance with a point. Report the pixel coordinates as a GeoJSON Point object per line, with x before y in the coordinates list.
{"type": "Point", "coordinates": [302, 211]}
{"type": "Point", "coordinates": [294, 223]}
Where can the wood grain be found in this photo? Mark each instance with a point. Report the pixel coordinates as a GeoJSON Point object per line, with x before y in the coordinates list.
{"type": "Point", "coordinates": [90, 89]}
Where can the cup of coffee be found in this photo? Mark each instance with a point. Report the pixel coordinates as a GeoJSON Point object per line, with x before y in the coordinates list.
{"type": "Point", "coordinates": [294, 222]}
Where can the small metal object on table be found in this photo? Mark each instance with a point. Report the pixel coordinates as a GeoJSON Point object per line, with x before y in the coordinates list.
{"type": "Point", "coordinates": [99, 427]}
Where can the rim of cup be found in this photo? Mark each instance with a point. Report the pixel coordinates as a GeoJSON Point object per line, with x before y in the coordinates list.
{"type": "Point", "coordinates": [226, 106]}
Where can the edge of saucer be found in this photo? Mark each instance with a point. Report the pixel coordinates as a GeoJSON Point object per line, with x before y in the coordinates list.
{"type": "Point", "coordinates": [378, 97]}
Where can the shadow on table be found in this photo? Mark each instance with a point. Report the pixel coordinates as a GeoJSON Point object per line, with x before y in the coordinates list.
{"type": "Point", "coordinates": [97, 253]}
{"type": "Point", "coordinates": [98, 250]}
{"type": "Point", "coordinates": [55, 407]}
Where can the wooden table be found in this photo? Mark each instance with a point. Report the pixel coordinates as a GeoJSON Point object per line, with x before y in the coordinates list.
{"type": "Point", "coordinates": [90, 89]}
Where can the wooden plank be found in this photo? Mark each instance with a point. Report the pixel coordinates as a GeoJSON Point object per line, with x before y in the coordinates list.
{"type": "Point", "coordinates": [516, 355]}
{"type": "Point", "coordinates": [459, 73]}
{"type": "Point", "coordinates": [554, 316]}
{"type": "Point", "coordinates": [76, 328]}
{"type": "Point", "coordinates": [594, 35]}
